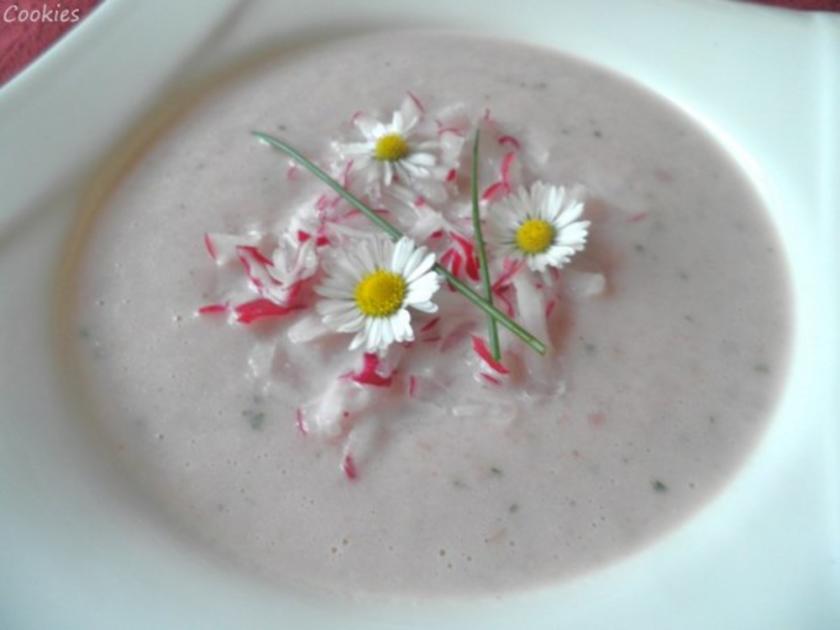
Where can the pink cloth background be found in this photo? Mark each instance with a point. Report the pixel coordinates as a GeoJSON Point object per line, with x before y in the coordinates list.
{"type": "Point", "coordinates": [22, 42]}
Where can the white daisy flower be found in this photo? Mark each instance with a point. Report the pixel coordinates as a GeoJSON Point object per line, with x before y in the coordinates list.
{"type": "Point", "coordinates": [400, 154]}
{"type": "Point", "coordinates": [370, 286]}
{"type": "Point", "coordinates": [540, 226]}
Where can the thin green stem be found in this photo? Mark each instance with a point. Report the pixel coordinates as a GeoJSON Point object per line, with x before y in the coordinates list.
{"type": "Point", "coordinates": [488, 308]}
{"type": "Point", "coordinates": [492, 328]}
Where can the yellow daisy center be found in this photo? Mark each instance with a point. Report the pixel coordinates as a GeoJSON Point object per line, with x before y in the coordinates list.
{"type": "Point", "coordinates": [390, 148]}
{"type": "Point", "coordinates": [380, 293]}
{"type": "Point", "coordinates": [534, 236]}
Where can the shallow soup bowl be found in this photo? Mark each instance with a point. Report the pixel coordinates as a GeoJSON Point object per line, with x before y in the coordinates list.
{"type": "Point", "coordinates": [82, 549]}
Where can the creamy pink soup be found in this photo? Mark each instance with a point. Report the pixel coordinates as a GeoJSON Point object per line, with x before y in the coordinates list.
{"type": "Point", "coordinates": [664, 382]}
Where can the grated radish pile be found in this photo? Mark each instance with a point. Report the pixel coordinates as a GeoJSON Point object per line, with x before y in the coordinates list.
{"type": "Point", "coordinates": [273, 276]}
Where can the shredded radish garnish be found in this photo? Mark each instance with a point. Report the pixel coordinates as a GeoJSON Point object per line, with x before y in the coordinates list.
{"type": "Point", "coordinates": [369, 374]}
{"type": "Point", "coordinates": [407, 168]}
{"type": "Point", "coordinates": [503, 186]}
{"type": "Point", "coordinates": [257, 309]}
{"type": "Point", "coordinates": [224, 248]}
{"type": "Point", "coordinates": [212, 309]}
{"type": "Point", "coordinates": [430, 324]}
{"type": "Point", "coordinates": [510, 140]}
{"type": "Point", "coordinates": [468, 256]}
{"type": "Point", "coordinates": [482, 350]}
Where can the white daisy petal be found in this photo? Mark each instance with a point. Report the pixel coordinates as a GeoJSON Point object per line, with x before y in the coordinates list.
{"type": "Point", "coordinates": [335, 293]}
{"type": "Point", "coordinates": [428, 146]}
{"type": "Point", "coordinates": [356, 148]}
{"type": "Point", "coordinates": [332, 307]}
{"type": "Point", "coordinates": [410, 113]}
{"type": "Point", "coordinates": [428, 159]}
{"type": "Point", "coordinates": [410, 171]}
{"type": "Point", "coordinates": [422, 267]}
{"type": "Point", "coordinates": [353, 325]}
{"type": "Point", "coordinates": [400, 323]}
{"type": "Point", "coordinates": [397, 125]}
{"type": "Point", "coordinates": [574, 234]}
{"type": "Point", "coordinates": [387, 333]}
{"type": "Point", "coordinates": [359, 339]}
{"type": "Point", "coordinates": [421, 159]}
{"type": "Point", "coordinates": [417, 257]}
{"type": "Point", "coordinates": [369, 126]}
{"type": "Point", "coordinates": [423, 289]}
{"type": "Point", "coordinates": [337, 321]}
{"type": "Point", "coordinates": [375, 335]}
{"type": "Point", "coordinates": [426, 307]}
{"type": "Point", "coordinates": [402, 253]}
{"type": "Point", "coordinates": [570, 214]}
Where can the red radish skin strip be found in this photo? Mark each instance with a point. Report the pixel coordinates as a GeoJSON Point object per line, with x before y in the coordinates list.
{"type": "Point", "coordinates": [456, 336]}
{"type": "Point", "coordinates": [509, 269]}
{"type": "Point", "coordinates": [348, 466]}
{"type": "Point", "coordinates": [463, 241]}
{"type": "Point", "coordinates": [369, 375]}
{"type": "Point", "coordinates": [481, 349]}
{"type": "Point", "coordinates": [299, 421]}
{"type": "Point", "coordinates": [293, 172]}
{"type": "Point", "coordinates": [501, 187]}
{"type": "Point", "coordinates": [491, 379]}
{"type": "Point", "coordinates": [208, 244]}
{"type": "Point", "coordinates": [430, 324]}
{"type": "Point", "coordinates": [420, 201]}
{"type": "Point", "coordinates": [417, 101]}
{"type": "Point", "coordinates": [257, 309]}
{"type": "Point", "coordinates": [322, 203]}
{"type": "Point", "coordinates": [471, 267]}
{"type": "Point", "coordinates": [412, 386]}
{"type": "Point", "coordinates": [549, 308]}
{"type": "Point", "coordinates": [256, 254]}
{"type": "Point", "coordinates": [636, 218]}
{"type": "Point", "coordinates": [294, 292]}
{"type": "Point", "coordinates": [212, 309]}
{"type": "Point", "coordinates": [452, 260]}
{"type": "Point", "coordinates": [513, 142]}
{"type": "Point", "coordinates": [502, 294]}
{"type": "Point", "coordinates": [452, 175]}
{"type": "Point", "coordinates": [507, 162]}
{"type": "Point", "coordinates": [493, 191]}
